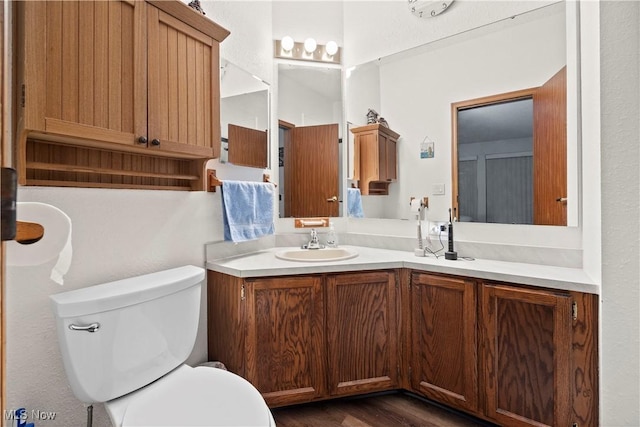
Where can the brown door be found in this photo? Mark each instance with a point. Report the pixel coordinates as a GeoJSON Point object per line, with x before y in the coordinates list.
{"type": "Point", "coordinates": [247, 147]}
{"type": "Point", "coordinates": [311, 171]}
{"type": "Point", "coordinates": [550, 151]}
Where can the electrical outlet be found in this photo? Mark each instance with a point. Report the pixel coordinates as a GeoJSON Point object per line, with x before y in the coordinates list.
{"type": "Point", "coordinates": [437, 228]}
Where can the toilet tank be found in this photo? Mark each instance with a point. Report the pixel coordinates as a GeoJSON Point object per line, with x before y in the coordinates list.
{"type": "Point", "coordinates": [147, 327]}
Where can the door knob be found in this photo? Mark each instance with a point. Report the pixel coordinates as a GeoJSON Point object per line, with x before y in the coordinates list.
{"type": "Point", "coordinates": [332, 199]}
{"type": "Point", "coordinates": [561, 199]}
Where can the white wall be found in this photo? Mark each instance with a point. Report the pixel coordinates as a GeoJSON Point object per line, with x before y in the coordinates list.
{"type": "Point", "coordinates": [620, 118]}
{"type": "Point", "coordinates": [115, 234]}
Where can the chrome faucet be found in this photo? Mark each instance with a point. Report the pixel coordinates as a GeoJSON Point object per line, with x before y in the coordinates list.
{"type": "Point", "coordinates": [313, 243]}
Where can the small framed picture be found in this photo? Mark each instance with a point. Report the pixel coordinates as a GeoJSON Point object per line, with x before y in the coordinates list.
{"type": "Point", "coordinates": [427, 149]}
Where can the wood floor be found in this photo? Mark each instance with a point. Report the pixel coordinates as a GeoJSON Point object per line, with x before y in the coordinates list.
{"type": "Point", "coordinates": [386, 410]}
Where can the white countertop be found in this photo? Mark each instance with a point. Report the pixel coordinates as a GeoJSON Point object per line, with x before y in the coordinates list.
{"type": "Point", "coordinates": [264, 263]}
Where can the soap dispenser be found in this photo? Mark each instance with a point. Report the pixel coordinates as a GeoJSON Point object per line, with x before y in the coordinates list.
{"type": "Point", "coordinates": [332, 237]}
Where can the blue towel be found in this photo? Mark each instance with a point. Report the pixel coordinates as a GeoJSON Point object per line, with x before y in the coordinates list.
{"type": "Point", "coordinates": [247, 210]}
{"type": "Point", "coordinates": [354, 203]}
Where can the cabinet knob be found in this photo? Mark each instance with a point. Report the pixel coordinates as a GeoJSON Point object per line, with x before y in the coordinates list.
{"type": "Point", "coordinates": [155, 141]}
{"type": "Point", "coordinates": [142, 140]}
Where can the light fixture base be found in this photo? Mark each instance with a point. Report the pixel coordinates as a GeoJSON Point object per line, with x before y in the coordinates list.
{"type": "Point", "coordinates": [298, 52]}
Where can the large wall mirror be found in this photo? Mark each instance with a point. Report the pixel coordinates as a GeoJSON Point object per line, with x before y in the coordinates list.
{"type": "Point", "coordinates": [244, 117]}
{"type": "Point", "coordinates": [310, 130]}
{"type": "Point", "coordinates": [472, 74]}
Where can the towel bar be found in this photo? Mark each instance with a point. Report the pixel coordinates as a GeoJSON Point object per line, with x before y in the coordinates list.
{"type": "Point", "coordinates": [213, 181]}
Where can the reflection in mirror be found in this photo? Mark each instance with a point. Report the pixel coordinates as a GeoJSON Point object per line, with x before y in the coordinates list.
{"type": "Point", "coordinates": [415, 90]}
{"type": "Point", "coordinates": [509, 156]}
{"type": "Point", "coordinates": [310, 113]}
{"type": "Point", "coordinates": [244, 117]}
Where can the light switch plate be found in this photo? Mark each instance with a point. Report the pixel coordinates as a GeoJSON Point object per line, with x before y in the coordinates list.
{"type": "Point", "coordinates": [437, 189]}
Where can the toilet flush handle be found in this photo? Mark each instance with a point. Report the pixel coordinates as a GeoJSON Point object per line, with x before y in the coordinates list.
{"type": "Point", "coordinates": [89, 328]}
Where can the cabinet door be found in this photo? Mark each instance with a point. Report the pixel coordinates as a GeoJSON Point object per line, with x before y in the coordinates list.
{"type": "Point", "coordinates": [526, 356]}
{"type": "Point", "coordinates": [184, 92]}
{"type": "Point", "coordinates": [285, 338]}
{"type": "Point", "coordinates": [82, 63]}
{"type": "Point", "coordinates": [362, 332]}
{"type": "Point", "coordinates": [443, 347]}
{"type": "Point", "coordinates": [387, 160]}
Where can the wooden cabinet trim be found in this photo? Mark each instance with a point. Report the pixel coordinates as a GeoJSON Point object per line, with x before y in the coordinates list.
{"type": "Point", "coordinates": [189, 16]}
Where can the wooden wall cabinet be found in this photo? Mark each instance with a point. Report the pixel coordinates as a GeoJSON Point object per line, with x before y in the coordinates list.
{"type": "Point", "coordinates": [113, 89]}
{"type": "Point", "coordinates": [375, 159]}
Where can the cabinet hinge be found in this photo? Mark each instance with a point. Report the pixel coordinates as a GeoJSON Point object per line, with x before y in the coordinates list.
{"type": "Point", "coordinates": [23, 96]}
{"type": "Point", "coordinates": [574, 310]}
{"type": "Point", "coordinates": [242, 293]}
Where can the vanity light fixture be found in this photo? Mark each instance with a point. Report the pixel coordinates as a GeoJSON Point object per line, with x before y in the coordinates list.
{"type": "Point", "coordinates": [287, 43]}
{"type": "Point", "coordinates": [309, 50]}
{"type": "Point", "coordinates": [331, 48]}
{"type": "Point", "coordinates": [428, 8]}
{"type": "Point", "coordinates": [310, 45]}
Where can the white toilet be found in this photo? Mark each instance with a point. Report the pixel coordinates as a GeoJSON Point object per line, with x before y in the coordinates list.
{"type": "Point", "coordinates": [124, 343]}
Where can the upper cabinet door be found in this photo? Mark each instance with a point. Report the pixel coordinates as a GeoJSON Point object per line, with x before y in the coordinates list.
{"type": "Point", "coordinates": [183, 75]}
{"type": "Point", "coordinates": [81, 66]}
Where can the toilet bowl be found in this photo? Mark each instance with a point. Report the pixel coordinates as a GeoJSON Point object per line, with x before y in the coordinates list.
{"type": "Point", "coordinates": [124, 344]}
{"type": "Point", "coordinates": [187, 396]}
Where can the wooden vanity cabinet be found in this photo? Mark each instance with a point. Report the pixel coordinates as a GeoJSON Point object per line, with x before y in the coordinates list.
{"type": "Point", "coordinates": [271, 331]}
{"type": "Point", "coordinates": [308, 337]}
{"type": "Point", "coordinates": [113, 88]}
{"type": "Point", "coordinates": [444, 340]}
{"type": "Point", "coordinates": [512, 354]}
{"type": "Point", "coordinates": [376, 158]}
{"type": "Point", "coordinates": [526, 355]}
{"type": "Point", "coordinates": [515, 355]}
{"type": "Point", "coordinates": [362, 332]}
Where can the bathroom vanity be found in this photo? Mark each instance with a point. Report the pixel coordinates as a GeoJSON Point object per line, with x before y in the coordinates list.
{"type": "Point", "coordinates": [512, 343]}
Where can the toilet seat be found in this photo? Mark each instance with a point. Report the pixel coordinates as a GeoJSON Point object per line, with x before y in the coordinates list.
{"type": "Point", "coordinates": [187, 396]}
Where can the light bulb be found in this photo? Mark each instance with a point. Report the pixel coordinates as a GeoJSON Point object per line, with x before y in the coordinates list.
{"type": "Point", "coordinates": [286, 43]}
{"type": "Point", "coordinates": [310, 45]}
{"type": "Point", "coordinates": [331, 48]}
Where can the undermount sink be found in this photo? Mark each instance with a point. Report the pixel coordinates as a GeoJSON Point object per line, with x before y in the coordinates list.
{"type": "Point", "coordinates": [311, 255]}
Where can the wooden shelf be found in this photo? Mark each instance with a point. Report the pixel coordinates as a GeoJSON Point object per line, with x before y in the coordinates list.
{"type": "Point", "coordinates": [52, 164]}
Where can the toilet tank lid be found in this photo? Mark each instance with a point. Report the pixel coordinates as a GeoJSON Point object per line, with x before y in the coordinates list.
{"type": "Point", "coordinates": [126, 292]}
